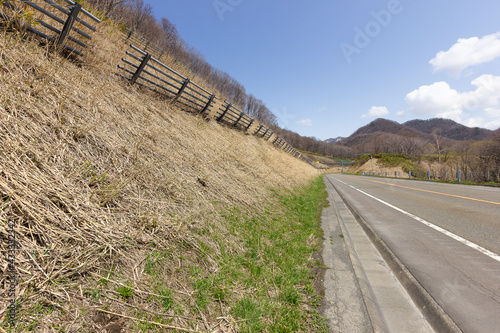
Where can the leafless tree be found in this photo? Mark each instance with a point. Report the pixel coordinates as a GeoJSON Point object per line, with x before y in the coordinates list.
{"type": "Point", "coordinates": [437, 135]}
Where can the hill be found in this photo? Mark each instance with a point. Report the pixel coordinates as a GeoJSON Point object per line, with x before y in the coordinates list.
{"type": "Point", "coordinates": [421, 129]}
{"type": "Point", "coordinates": [125, 204]}
{"type": "Point", "coordinates": [338, 139]}
{"type": "Point", "coordinates": [450, 129]}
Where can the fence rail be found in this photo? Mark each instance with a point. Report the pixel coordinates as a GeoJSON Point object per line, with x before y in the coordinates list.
{"type": "Point", "coordinates": [53, 22]}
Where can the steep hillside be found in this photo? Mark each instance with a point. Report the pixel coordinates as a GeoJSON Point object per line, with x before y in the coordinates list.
{"type": "Point", "coordinates": [125, 204]}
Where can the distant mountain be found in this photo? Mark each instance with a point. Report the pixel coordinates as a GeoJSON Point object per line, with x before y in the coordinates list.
{"type": "Point", "coordinates": [376, 128]}
{"type": "Point", "coordinates": [450, 130]}
{"type": "Point", "coordinates": [336, 140]}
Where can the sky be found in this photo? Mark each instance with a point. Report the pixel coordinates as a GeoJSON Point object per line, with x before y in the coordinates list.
{"type": "Point", "coordinates": [328, 67]}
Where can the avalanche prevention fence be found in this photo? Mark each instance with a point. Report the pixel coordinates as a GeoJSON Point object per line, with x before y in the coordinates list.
{"type": "Point", "coordinates": [142, 68]}
{"type": "Point", "coordinates": [64, 28]}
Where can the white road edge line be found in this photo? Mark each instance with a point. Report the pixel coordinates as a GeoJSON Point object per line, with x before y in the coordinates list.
{"type": "Point", "coordinates": [464, 241]}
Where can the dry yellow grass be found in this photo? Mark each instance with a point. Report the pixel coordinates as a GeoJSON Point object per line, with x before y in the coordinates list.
{"type": "Point", "coordinates": [377, 167]}
{"type": "Point", "coordinates": [97, 174]}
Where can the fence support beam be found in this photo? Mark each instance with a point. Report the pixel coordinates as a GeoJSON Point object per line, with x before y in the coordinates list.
{"type": "Point", "coordinates": [140, 69]}
{"type": "Point", "coordinates": [250, 124]}
{"type": "Point", "coordinates": [68, 25]}
{"type": "Point", "coordinates": [184, 85]}
{"type": "Point", "coordinates": [208, 104]}
{"type": "Point", "coordinates": [239, 118]}
{"type": "Point", "coordinates": [258, 129]}
{"type": "Point", "coordinates": [224, 113]}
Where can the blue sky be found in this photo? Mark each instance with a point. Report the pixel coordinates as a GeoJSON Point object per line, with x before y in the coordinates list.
{"type": "Point", "coordinates": [327, 67]}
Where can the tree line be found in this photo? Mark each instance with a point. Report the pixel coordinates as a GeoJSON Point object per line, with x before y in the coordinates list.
{"type": "Point", "coordinates": [475, 159]}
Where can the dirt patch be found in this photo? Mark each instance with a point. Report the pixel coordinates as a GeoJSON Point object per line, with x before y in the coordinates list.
{"type": "Point", "coordinates": [376, 167]}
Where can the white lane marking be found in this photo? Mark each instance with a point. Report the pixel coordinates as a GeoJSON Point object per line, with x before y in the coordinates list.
{"type": "Point", "coordinates": [464, 241]}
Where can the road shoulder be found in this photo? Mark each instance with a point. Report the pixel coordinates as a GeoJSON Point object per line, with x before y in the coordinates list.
{"type": "Point", "coordinates": [387, 305]}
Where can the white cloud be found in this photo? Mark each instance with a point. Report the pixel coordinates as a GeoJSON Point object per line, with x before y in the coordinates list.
{"type": "Point", "coordinates": [323, 108]}
{"type": "Point", "coordinates": [487, 93]}
{"type": "Point", "coordinates": [433, 99]}
{"type": "Point", "coordinates": [305, 122]}
{"type": "Point", "coordinates": [467, 52]}
{"type": "Point", "coordinates": [376, 111]}
{"type": "Point", "coordinates": [478, 107]}
{"type": "Point", "coordinates": [401, 113]}
{"type": "Point", "coordinates": [494, 113]}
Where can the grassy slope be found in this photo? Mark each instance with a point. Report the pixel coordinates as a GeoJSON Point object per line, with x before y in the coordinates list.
{"type": "Point", "coordinates": [127, 205]}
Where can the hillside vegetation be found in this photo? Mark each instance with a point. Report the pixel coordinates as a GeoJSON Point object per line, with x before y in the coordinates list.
{"type": "Point", "coordinates": [134, 216]}
{"type": "Point", "coordinates": [471, 168]}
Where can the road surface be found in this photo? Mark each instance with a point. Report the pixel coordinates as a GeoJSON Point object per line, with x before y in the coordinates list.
{"type": "Point", "coordinates": [447, 236]}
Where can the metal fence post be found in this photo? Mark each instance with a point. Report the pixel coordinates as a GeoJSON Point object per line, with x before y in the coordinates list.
{"type": "Point", "coordinates": [140, 69]}
{"type": "Point", "coordinates": [459, 176]}
{"type": "Point", "coordinates": [258, 129]}
{"type": "Point", "coordinates": [429, 175]}
{"type": "Point", "coordinates": [238, 120]}
{"type": "Point", "coordinates": [184, 85]}
{"type": "Point", "coordinates": [224, 113]}
{"type": "Point", "coordinates": [250, 124]}
{"type": "Point", "coordinates": [208, 104]}
{"type": "Point", "coordinates": [68, 25]}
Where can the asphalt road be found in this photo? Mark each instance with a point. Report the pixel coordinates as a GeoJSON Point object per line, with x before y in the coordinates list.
{"type": "Point", "coordinates": [448, 237]}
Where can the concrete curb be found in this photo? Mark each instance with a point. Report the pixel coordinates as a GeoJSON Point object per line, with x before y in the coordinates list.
{"type": "Point", "coordinates": [376, 318]}
{"type": "Point", "coordinates": [435, 315]}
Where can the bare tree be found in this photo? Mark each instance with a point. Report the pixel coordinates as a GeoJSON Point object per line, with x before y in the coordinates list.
{"type": "Point", "coordinates": [437, 135]}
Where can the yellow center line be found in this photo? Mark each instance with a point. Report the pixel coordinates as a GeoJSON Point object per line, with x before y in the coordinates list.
{"type": "Point", "coordinates": [433, 192]}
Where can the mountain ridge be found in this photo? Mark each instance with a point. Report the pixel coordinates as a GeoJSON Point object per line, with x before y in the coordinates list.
{"type": "Point", "coordinates": [448, 129]}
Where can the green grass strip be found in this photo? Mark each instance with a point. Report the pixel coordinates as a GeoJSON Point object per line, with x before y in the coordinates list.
{"type": "Point", "coordinates": [277, 269]}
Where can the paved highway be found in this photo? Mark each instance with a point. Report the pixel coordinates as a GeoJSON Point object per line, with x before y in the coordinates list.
{"type": "Point", "coordinates": [448, 236]}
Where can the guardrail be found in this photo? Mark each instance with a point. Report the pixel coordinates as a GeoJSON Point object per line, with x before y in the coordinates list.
{"type": "Point", "coordinates": [54, 27]}
{"type": "Point", "coordinates": [459, 176]}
